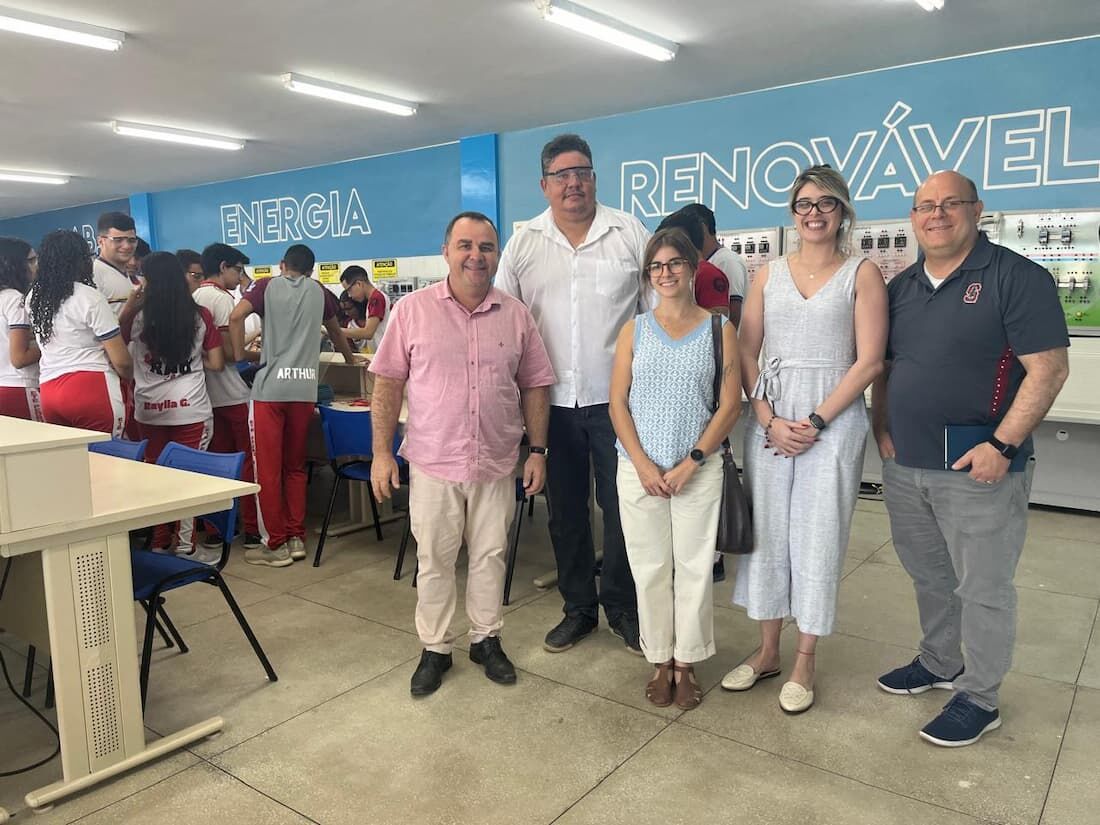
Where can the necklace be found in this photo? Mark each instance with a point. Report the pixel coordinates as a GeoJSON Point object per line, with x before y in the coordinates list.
{"type": "Point", "coordinates": [821, 268]}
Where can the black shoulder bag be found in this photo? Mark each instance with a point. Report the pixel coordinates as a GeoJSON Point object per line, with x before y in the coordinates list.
{"type": "Point", "coordinates": [735, 512]}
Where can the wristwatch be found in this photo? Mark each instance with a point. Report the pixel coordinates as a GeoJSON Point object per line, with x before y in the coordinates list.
{"type": "Point", "coordinates": [817, 421]}
{"type": "Point", "coordinates": [697, 456]}
{"type": "Point", "coordinates": [539, 450]}
{"type": "Point", "coordinates": [1007, 450]}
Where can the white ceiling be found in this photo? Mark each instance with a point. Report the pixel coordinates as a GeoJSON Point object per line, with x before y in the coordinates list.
{"type": "Point", "coordinates": [474, 65]}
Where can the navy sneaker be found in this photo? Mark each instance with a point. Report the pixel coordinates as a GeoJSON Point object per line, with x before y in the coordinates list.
{"type": "Point", "coordinates": [960, 723]}
{"type": "Point", "coordinates": [914, 678]}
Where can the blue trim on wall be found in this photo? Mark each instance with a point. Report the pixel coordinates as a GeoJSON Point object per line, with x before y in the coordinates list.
{"type": "Point", "coordinates": [480, 179]}
{"type": "Point", "coordinates": [141, 210]}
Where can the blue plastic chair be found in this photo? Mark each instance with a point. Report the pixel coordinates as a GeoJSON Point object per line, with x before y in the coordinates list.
{"type": "Point", "coordinates": [156, 574]}
{"type": "Point", "coordinates": [348, 436]}
{"type": "Point", "coordinates": [121, 448]}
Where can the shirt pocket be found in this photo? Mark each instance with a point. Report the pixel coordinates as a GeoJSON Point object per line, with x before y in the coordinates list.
{"type": "Point", "coordinates": [617, 278]}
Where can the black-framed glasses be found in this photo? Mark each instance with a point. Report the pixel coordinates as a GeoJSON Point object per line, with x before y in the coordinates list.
{"type": "Point", "coordinates": [675, 266]}
{"type": "Point", "coordinates": [583, 174]}
{"type": "Point", "coordinates": [949, 205]}
{"type": "Point", "coordinates": [825, 205]}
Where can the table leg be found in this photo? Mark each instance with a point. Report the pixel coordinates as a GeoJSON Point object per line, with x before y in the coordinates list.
{"type": "Point", "coordinates": [93, 644]}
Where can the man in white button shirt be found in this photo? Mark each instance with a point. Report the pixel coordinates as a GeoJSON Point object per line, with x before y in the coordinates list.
{"type": "Point", "coordinates": [577, 267]}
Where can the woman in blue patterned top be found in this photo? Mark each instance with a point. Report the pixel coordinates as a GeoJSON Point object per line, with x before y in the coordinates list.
{"type": "Point", "coordinates": [670, 476]}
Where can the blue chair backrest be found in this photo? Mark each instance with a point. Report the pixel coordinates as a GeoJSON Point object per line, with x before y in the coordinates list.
{"type": "Point", "coordinates": [349, 433]}
{"type": "Point", "coordinates": [121, 448]}
{"type": "Point", "coordinates": [222, 465]}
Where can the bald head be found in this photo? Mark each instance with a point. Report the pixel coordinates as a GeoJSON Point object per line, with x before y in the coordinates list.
{"type": "Point", "coordinates": [952, 178]}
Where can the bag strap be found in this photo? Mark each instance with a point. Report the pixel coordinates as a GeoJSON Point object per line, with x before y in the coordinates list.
{"type": "Point", "coordinates": [716, 338]}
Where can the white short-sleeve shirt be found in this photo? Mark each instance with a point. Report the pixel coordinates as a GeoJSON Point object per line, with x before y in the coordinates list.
{"type": "Point", "coordinates": [115, 286]}
{"type": "Point", "coordinates": [82, 323]}
{"type": "Point", "coordinates": [580, 298]}
{"type": "Point", "coordinates": [734, 269]}
{"type": "Point", "coordinates": [226, 388]}
{"type": "Point", "coordinates": [14, 315]}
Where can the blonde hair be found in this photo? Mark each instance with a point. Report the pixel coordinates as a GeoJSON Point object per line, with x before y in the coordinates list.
{"type": "Point", "coordinates": [829, 180]}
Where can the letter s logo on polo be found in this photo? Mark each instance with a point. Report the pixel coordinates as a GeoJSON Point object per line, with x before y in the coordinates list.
{"type": "Point", "coordinates": [972, 293]}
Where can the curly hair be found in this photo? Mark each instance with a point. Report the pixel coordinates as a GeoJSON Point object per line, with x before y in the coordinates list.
{"type": "Point", "coordinates": [169, 315]}
{"type": "Point", "coordinates": [14, 272]}
{"type": "Point", "coordinates": [63, 260]}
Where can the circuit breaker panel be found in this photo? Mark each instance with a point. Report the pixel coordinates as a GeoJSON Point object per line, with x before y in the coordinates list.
{"type": "Point", "coordinates": [1066, 244]}
{"type": "Point", "coordinates": [755, 246]}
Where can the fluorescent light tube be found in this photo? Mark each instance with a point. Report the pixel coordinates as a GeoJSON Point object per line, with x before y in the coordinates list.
{"type": "Point", "coordinates": [54, 28]}
{"type": "Point", "coordinates": [142, 130]}
{"type": "Point", "coordinates": [348, 94]}
{"type": "Point", "coordinates": [608, 29]}
{"type": "Point", "coordinates": [33, 177]}
{"type": "Point", "coordinates": [930, 5]}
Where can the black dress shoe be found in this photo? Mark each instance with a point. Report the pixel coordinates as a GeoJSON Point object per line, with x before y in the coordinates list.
{"type": "Point", "coordinates": [719, 572]}
{"type": "Point", "coordinates": [429, 673]}
{"type": "Point", "coordinates": [488, 653]}
{"type": "Point", "coordinates": [569, 631]}
{"type": "Point", "coordinates": [625, 626]}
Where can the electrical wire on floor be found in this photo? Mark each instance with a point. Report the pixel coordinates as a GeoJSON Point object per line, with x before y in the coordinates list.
{"type": "Point", "coordinates": [17, 695]}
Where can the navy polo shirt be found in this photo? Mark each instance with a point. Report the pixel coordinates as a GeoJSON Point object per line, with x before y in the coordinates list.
{"type": "Point", "coordinates": [954, 349]}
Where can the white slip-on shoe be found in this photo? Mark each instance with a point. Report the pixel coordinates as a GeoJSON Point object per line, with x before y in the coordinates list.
{"type": "Point", "coordinates": [793, 698]}
{"type": "Point", "coordinates": [744, 677]}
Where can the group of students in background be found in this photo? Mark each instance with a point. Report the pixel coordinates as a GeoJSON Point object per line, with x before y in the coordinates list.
{"type": "Point", "coordinates": [147, 346]}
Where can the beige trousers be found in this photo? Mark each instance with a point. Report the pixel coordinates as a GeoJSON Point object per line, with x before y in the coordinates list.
{"type": "Point", "coordinates": [443, 513]}
{"type": "Point", "coordinates": [670, 544]}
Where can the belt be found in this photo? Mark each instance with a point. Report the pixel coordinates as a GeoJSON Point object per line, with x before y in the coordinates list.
{"type": "Point", "coordinates": [768, 384]}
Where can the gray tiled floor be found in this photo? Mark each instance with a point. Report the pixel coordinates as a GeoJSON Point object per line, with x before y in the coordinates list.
{"type": "Point", "coordinates": [338, 739]}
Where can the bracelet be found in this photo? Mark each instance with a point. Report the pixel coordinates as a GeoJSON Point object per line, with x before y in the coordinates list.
{"type": "Point", "coordinates": [771, 421]}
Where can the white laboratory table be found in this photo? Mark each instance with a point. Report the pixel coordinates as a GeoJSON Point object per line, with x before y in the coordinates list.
{"type": "Point", "coordinates": [85, 552]}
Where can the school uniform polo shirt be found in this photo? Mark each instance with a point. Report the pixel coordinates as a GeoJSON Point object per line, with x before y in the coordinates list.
{"type": "Point", "coordinates": [954, 350]}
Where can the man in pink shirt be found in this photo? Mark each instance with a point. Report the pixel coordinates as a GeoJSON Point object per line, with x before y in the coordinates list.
{"type": "Point", "coordinates": [477, 372]}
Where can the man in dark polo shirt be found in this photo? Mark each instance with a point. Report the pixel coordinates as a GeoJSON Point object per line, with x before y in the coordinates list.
{"type": "Point", "coordinates": [976, 355]}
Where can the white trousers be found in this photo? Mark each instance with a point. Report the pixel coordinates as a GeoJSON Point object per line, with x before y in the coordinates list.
{"type": "Point", "coordinates": [444, 513]}
{"type": "Point", "coordinates": [670, 545]}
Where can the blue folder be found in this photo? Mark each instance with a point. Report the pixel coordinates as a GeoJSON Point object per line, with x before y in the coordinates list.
{"type": "Point", "coordinates": [958, 439]}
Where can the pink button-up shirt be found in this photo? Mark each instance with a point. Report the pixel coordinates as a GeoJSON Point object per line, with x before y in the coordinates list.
{"type": "Point", "coordinates": [464, 372]}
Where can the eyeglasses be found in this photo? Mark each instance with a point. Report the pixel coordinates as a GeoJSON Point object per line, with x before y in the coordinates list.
{"type": "Point", "coordinates": [804, 206]}
{"type": "Point", "coordinates": [583, 174]}
{"type": "Point", "coordinates": [949, 205]}
{"type": "Point", "coordinates": [675, 266]}
{"type": "Point", "coordinates": [120, 240]}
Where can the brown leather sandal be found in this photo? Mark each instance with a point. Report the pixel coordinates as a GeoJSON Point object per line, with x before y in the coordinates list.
{"type": "Point", "coordinates": [658, 690]}
{"type": "Point", "coordinates": [688, 694]}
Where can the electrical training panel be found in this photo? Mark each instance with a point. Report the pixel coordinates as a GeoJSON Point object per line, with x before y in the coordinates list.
{"type": "Point", "coordinates": [755, 246]}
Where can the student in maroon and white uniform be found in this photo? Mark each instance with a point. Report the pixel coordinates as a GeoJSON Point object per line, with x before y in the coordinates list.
{"type": "Point", "coordinates": [113, 271]}
{"type": "Point", "coordinates": [372, 303]}
{"type": "Point", "coordinates": [19, 356]}
{"type": "Point", "coordinates": [222, 267]}
{"type": "Point", "coordinates": [172, 342]}
{"type": "Point", "coordinates": [83, 355]}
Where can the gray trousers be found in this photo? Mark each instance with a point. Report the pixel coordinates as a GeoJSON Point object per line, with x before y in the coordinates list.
{"type": "Point", "coordinates": [960, 541]}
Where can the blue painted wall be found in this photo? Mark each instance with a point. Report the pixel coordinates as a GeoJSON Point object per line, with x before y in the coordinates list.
{"type": "Point", "coordinates": [81, 219]}
{"type": "Point", "coordinates": [1025, 124]}
{"type": "Point", "coordinates": [386, 206]}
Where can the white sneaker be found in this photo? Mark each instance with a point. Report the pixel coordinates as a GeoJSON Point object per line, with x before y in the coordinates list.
{"type": "Point", "coordinates": [206, 555]}
{"type": "Point", "coordinates": [297, 548]}
{"type": "Point", "coordinates": [271, 558]}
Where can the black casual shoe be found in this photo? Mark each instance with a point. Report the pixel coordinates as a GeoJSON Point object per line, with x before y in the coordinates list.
{"type": "Point", "coordinates": [569, 631]}
{"type": "Point", "coordinates": [212, 541]}
{"type": "Point", "coordinates": [489, 654]}
{"type": "Point", "coordinates": [720, 570]}
{"type": "Point", "coordinates": [429, 673]}
{"type": "Point", "coordinates": [914, 678]}
{"type": "Point", "coordinates": [252, 540]}
{"type": "Point", "coordinates": [961, 723]}
{"type": "Point", "coordinates": [625, 626]}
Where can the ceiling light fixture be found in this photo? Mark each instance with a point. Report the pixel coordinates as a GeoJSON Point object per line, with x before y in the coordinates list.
{"type": "Point", "coordinates": [930, 5]}
{"type": "Point", "coordinates": [33, 177]}
{"type": "Point", "coordinates": [607, 29]}
{"type": "Point", "coordinates": [347, 94]}
{"type": "Point", "coordinates": [54, 28]}
{"type": "Point", "coordinates": [164, 133]}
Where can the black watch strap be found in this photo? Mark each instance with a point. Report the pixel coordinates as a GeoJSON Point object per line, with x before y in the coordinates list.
{"type": "Point", "coordinates": [817, 421]}
{"type": "Point", "coordinates": [1007, 450]}
{"type": "Point", "coordinates": [538, 450]}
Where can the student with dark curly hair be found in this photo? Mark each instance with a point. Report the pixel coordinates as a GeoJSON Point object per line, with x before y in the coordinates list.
{"type": "Point", "coordinates": [78, 335]}
{"type": "Point", "coordinates": [19, 359]}
{"type": "Point", "coordinates": [172, 341]}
